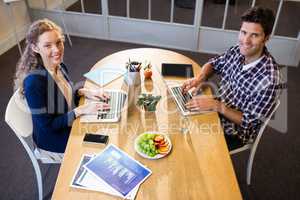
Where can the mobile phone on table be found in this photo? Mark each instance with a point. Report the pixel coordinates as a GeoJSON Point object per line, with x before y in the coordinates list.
{"type": "Point", "coordinates": [95, 138]}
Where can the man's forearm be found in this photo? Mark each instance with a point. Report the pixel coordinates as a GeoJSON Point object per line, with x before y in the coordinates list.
{"type": "Point", "coordinates": [232, 114]}
{"type": "Point", "coordinates": [206, 72]}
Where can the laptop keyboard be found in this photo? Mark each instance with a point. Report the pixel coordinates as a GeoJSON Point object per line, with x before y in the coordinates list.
{"type": "Point", "coordinates": [116, 103]}
{"type": "Point", "coordinates": [181, 99]}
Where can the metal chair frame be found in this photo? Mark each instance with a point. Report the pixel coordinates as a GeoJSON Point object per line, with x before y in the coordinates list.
{"type": "Point", "coordinates": [18, 117]}
{"type": "Point", "coordinates": [253, 147]}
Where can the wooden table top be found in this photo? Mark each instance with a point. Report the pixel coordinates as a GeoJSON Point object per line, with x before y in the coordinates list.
{"type": "Point", "coordinates": [199, 165]}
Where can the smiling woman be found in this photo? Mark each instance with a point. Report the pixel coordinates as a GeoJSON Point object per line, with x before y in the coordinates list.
{"type": "Point", "coordinates": [43, 80]}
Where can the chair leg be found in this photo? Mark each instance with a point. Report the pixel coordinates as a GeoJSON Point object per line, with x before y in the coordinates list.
{"type": "Point", "coordinates": [35, 166]}
{"type": "Point", "coordinates": [38, 178]}
{"type": "Point", "coordinates": [249, 167]}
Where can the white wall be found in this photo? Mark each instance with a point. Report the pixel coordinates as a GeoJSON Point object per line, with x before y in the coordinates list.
{"type": "Point", "coordinates": [7, 39]}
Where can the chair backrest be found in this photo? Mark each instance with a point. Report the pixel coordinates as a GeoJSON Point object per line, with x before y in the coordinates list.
{"type": "Point", "coordinates": [19, 118]}
{"type": "Point", "coordinates": [263, 126]}
{"type": "Point", "coordinates": [18, 115]}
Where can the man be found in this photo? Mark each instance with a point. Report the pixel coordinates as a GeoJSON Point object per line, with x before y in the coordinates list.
{"type": "Point", "coordinates": [250, 80]}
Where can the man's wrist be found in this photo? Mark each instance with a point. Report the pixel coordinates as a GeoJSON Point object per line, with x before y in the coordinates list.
{"type": "Point", "coordinates": [219, 107]}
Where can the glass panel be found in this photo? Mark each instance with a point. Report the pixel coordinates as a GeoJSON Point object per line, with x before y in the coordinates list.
{"type": "Point", "coordinates": [184, 11]}
{"type": "Point", "coordinates": [117, 7]}
{"type": "Point", "coordinates": [89, 6]}
{"type": "Point", "coordinates": [235, 10]}
{"type": "Point", "coordinates": [288, 22]}
{"type": "Point", "coordinates": [271, 4]}
{"type": "Point", "coordinates": [213, 11]}
{"type": "Point", "coordinates": [139, 9]}
{"type": "Point", "coordinates": [161, 10]}
{"type": "Point", "coordinates": [92, 6]}
{"type": "Point", "coordinates": [74, 7]}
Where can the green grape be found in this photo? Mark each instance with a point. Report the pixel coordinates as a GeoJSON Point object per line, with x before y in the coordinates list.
{"type": "Point", "coordinates": [152, 155]}
{"type": "Point", "coordinates": [146, 144]}
{"type": "Point", "coordinates": [149, 136]}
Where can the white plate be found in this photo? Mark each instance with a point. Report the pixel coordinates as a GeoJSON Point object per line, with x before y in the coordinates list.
{"type": "Point", "coordinates": [158, 156]}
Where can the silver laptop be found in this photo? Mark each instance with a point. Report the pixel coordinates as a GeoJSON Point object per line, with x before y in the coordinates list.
{"type": "Point", "coordinates": [116, 101]}
{"type": "Point", "coordinates": [181, 99]}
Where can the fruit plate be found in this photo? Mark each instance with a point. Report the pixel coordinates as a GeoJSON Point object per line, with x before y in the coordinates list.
{"type": "Point", "coordinates": [157, 156]}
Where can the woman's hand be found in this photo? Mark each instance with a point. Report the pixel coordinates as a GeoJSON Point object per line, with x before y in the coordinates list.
{"type": "Point", "coordinates": [91, 108]}
{"type": "Point", "coordinates": [94, 94]}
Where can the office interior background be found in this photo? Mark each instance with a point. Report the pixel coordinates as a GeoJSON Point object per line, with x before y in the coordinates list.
{"type": "Point", "coordinates": [198, 29]}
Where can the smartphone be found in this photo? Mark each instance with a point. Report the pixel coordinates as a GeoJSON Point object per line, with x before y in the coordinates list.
{"type": "Point", "coordinates": [95, 138]}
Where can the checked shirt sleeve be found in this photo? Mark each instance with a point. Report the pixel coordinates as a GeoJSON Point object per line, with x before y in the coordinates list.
{"type": "Point", "coordinates": [260, 107]}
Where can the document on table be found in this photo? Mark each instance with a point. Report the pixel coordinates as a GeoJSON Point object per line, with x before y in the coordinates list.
{"type": "Point", "coordinates": [85, 180]}
{"type": "Point", "coordinates": [117, 170]}
{"type": "Point", "coordinates": [105, 74]}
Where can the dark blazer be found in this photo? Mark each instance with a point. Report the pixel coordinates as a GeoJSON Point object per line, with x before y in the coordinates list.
{"type": "Point", "coordinates": [52, 119]}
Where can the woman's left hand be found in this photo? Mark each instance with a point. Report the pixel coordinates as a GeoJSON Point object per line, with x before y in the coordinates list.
{"type": "Point", "coordinates": [94, 94]}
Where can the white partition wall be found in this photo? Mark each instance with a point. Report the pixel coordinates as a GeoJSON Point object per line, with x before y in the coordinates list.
{"type": "Point", "coordinates": [193, 37]}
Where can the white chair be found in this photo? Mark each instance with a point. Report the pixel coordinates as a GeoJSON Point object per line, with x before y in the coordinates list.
{"type": "Point", "coordinates": [19, 118]}
{"type": "Point", "coordinates": [252, 147]}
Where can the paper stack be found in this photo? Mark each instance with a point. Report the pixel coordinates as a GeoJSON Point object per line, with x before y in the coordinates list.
{"type": "Point", "coordinates": [112, 171]}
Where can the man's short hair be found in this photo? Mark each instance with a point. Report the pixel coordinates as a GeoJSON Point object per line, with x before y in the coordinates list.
{"type": "Point", "coordinates": [262, 16]}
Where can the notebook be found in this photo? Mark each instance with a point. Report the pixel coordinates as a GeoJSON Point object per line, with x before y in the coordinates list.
{"type": "Point", "coordinates": [105, 74]}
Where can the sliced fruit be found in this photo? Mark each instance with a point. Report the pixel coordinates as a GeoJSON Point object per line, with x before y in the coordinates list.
{"type": "Point", "coordinates": [159, 138]}
{"type": "Point", "coordinates": [163, 150]}
{"type": "Point", "coordinates": [163, 144]}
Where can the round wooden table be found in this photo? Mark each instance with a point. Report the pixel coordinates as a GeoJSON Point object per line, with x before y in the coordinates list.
{"type": "Point", "coordinates": [199, 165]}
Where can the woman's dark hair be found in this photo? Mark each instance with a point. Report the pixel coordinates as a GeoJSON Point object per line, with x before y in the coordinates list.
{"type": "Point", "coordinates": [30, 59]}
{"type": "Point", "coordinates": [262, 16]}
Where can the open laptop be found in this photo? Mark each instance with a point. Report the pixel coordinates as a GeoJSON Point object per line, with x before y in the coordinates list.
{"type": "Point", "coordinates": [116, 101]}
{"type": "Point", "coordinates": [174, 87]}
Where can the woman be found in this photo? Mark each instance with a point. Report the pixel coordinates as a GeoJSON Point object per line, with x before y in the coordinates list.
{"type": "Point", "coordinates": [43, 80]}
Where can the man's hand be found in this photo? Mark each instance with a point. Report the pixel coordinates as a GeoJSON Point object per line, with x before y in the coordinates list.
{"type": "Point", "coordinates": [94, 94]}
{"type": "Point", "coordinates": [203, 103]}
{"type": "Point", "coordinates": [191, 83]}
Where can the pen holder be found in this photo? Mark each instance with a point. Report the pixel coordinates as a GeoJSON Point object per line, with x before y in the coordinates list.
{"type": "Point", "coordinates": [132, 78]}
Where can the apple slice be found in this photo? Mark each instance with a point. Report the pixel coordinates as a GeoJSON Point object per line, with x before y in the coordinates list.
{"type": "Point", "coordinates": [159, 138]}
{"type": "Point", "coordinates": [163, 143]}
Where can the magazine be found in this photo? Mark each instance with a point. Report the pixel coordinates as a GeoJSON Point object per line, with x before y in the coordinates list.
{"type": "Point", "coordinates": [85, 180]}
{"type": "Point", "coordinates": [117, 170]}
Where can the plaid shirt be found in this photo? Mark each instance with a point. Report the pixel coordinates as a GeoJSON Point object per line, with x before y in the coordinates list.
{"type": "Point", "coordinates": [254, 91]}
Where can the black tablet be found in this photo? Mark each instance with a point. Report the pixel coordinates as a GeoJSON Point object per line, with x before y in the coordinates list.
{"type": "Point", "coordinates": [176, 69]}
